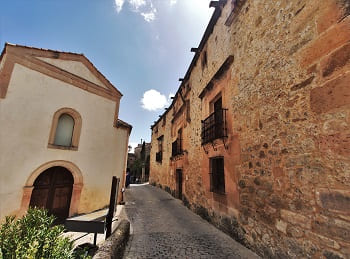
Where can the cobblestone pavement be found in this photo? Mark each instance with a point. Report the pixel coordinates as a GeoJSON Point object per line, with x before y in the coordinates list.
{"type": "Point", "coordinates": [161, 227]}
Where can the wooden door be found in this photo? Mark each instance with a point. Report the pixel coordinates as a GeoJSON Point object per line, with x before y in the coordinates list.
{"type": "Point", "coordinates": [53, 191]}
{"type": "Point", "coordinates": [179, 183]}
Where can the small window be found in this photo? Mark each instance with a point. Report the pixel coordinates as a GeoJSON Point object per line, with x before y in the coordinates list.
{"type": "Point", "coordinates": [177, 145]}
{"type": "Point", "coordinates": [159, 154]}
{"type": "Point", "coordinates": [64, 131]}
{"type": "Point", "coordinates": [217, 175]}
{"type": "Point", "coordinates": [160, 143]}
{"type": "Point", "coordinates": [164, 121]}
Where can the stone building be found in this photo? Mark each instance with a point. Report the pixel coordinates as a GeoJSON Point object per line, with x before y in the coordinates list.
{"type": "Point", "coordinates": [256, 139]}
{"type": "Point", "coordinates": [131, 160]}
{"type": "Point", "coordinates": [141, 164]}
{"type": "Point", "coordinates": [61, 140]}
{"type": "Point", "coordinates": [138, 149]}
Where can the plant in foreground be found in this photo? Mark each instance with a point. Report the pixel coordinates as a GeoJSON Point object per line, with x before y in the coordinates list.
{"type": "Point", "coordinates": [34, 236]}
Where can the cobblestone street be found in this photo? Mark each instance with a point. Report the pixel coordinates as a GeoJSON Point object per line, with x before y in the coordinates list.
{"type": "Point", "coordinates": [161, 227]}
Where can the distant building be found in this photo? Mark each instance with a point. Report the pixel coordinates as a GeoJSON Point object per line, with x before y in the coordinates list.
{"type": "Point", "coordinates": [131, 159]}
{"type": "Point", "coordinates": [61, 140]}
{"type": "Point", "coordinates": [139, 162]}
{"type": "Point", "coordinates": [138, 149]}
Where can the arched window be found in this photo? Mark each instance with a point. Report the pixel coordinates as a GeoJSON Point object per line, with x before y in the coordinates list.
{"type": "Point", "coordinates": [65, 129]}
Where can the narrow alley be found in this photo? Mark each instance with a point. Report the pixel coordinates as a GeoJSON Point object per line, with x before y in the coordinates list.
{"type": "Point", "coordinates": [161, 227]}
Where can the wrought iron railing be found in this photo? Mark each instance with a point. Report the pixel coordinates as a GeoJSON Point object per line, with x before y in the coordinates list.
{"type": "Point", "coordinates": [159, 156]}
{"type": "Point", "coordinates": [176, 148]}
{"type": "Point", "coordinates": [214, 126]}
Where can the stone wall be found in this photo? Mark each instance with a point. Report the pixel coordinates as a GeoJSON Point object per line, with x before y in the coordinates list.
{"type": "Point", "coordinates": [287, 165]}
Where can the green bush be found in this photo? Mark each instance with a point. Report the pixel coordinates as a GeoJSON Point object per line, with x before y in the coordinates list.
{"type": "Point", "coordinates": [34, 236]}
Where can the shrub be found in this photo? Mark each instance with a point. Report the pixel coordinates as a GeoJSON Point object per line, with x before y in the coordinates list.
{"type": "Point", "coordinates": [34, 236]}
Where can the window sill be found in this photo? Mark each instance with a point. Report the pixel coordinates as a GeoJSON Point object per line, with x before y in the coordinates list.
{"type": "Point", "coordinates": [177, 157]}
{"type": "Point", "coordinates": [52, 146]}
{"type": "Point", "coordinates": [218, 192]}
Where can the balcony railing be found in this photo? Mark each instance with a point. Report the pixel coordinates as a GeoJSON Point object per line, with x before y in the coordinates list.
{"type": "Point", "coordinates": [214, 127]}
{"type": "Point", "coordinates": [159, 156]}
{"type": "Point", "coordinates": [176, 148]}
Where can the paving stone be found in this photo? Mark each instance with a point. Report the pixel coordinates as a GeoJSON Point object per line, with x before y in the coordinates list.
{"type": "Point", "coordinates": [163, 228]}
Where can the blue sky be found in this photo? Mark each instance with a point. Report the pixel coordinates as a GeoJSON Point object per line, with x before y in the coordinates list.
{"type": "Point", "coordinates": [141, 46]}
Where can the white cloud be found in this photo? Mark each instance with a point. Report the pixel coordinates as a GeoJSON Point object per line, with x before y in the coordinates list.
{"type": "Point", "coordinates": [136, 4]}
{"type": "Point", "coordinates": [119, 5]}
{"type": "Point", "coordinates": [133, 145]}
{"type": "Point", "coordinates": [172, 2]}
{"type": "Point", "coordinates": [153, 100]}
{"type": "Point", "coordinates": [143, 7]}
{"type": "Point", "coordinates": [150, 16]}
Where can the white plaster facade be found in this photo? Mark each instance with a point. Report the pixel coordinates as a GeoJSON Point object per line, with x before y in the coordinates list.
{"type": "Point", "coordinates": [31, 94]}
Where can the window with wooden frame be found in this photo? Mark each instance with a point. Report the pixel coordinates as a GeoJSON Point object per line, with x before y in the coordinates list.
{"type": "Point", "coordinates": [159, 154]}
{"type": "Point", "coordinates": [177, 145]}
{"type": "Point", "coordinates": [217, 175]}
{"type": "Point", "coordinates": [65, 129]}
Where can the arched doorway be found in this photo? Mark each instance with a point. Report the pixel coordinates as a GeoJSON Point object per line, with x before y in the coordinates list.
{"type": "Point", "coordinates": [53, 191]}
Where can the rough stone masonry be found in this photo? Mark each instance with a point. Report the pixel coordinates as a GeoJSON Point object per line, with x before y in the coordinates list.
{"type": "Point", "coordinates": [282, 69]}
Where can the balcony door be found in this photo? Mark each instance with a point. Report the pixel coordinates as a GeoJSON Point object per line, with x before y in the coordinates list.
{"type": "Point", "coordinates": [218, 118]}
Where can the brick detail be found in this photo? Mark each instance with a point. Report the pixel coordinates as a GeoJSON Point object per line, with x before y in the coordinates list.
{"type": "Point", "coordinates": [333, 94]}
{"type": "Point", "coordinates": [303, 84]}
{"type": "Point", "coordinates": [336, 60]}
{"type": "Point", "coordinates": [335, 200]}
{"type": "Point", "coordinates": [330, 14]}
{"type": "Point", "coordinates": [296, 219]}
{"type": "Point", "coordinates": [323, 240]}
{"type": "Point", "coordinates": [338, 143]}
{"type": "Point", "coordinates": [323, 45]}
{"type": "Point", "coordinates": [5, 76]}
{"type": "Point", "coordinates": [332, 228]}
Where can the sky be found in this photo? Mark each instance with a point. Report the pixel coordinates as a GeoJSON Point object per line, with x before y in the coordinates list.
{"type": "Point", "coordinates": [141, 46]}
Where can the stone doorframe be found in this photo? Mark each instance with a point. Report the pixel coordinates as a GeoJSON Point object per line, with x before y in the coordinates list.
{"type": "Point", "coordinates": [77, 186]}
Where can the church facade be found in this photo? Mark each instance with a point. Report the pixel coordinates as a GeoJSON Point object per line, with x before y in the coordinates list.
{"type": "Point", "coordinates": [61, 140]}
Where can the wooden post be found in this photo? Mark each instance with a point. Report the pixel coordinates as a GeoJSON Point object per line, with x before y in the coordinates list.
{"type": "Point", "coordinates": [95, 239]}
{"type": "Point", "coordinates": [112, 203]}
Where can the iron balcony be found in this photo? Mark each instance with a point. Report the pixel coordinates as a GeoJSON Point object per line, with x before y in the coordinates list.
{"type": "Point", "coordinates": [214, 126]}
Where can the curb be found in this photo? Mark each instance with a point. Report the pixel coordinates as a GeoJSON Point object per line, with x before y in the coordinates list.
{"type": "Point", "coordinates": [114, 246]}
